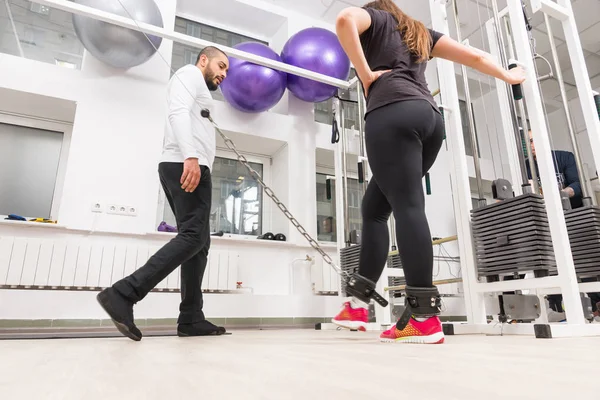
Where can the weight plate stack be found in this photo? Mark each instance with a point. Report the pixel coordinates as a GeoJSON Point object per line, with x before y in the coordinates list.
{"type": "Point", "coordinates": [394, 261]}
{"type": "Point", "coordinates": [583, 225]}
{"type": "Point", "coordinates": [349, 257]}
{"type": "Point", "coordinates": [513, 236]}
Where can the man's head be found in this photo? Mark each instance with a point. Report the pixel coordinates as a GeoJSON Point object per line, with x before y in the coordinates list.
{"type": "Point", "coordinates": [532, 145]}
{"type": "Point", "coordinates": [214, 65]}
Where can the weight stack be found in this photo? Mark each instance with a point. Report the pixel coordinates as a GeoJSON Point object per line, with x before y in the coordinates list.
{"type": "Point", "coordinates": [394, 261]}
{"type": "Point", "coordinates": [513, 236]}
{"type": "Point", "coordinates": [583, 225]}
{"type": "Point", "coordinates": [349, 257]}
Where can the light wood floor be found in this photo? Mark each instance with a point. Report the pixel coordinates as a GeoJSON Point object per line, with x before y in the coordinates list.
{"type": "Point", "coordinates": [300, 364]}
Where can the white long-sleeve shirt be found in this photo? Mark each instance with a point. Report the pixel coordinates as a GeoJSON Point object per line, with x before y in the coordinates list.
{"type": "Point", "coordinates": [187, 133]}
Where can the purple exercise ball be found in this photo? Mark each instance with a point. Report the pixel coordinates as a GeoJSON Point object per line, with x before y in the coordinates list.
{"type": "Point", "coordinates": [251, 87]}
{"type": "Point", "coordinates": [317, 50]}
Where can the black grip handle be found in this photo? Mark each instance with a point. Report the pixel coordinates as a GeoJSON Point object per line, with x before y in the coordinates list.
{"type": "Point", "coordinates": [444, 120]}
{"type": "Point", "coordinates": [517, 89]}
{"type": "Point", "coordinates": [328, 188]}
{"type": "Point", "coordinates": [361, 172]}
{"type": "Point", "coordinates": [597, 100]}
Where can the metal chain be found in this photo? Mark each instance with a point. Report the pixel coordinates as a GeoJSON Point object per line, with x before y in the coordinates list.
{"type": "Point", "coordinates": [242, 159]}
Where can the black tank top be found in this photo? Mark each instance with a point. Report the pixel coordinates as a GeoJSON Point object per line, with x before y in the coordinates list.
{"type": "Point", "coordinates": [384, 49]}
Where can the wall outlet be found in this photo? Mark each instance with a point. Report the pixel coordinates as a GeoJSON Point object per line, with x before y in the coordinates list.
{"type": "Point", "coordinates": [117, 209]}
{"type": "Point", "coordinates": [97, 208]}
{"type": "Point", "coordinates": [113, 209]}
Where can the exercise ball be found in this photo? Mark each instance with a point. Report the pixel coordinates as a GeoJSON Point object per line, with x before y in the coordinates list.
{"type": "Point", "coordinates": [114, 45]}
{"type": "Point", "coordinates": [250, 87]}
{"type": "Point", "coordinates": [317, 50]}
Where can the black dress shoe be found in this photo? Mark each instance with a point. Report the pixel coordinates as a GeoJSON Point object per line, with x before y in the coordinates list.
{"type": "Point", "coordinates": [120, 311]}
{"type": "Point", "coordinates": [202, 328]}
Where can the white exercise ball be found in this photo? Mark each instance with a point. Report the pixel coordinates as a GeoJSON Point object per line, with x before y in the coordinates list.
{"type": "Point", "coordinates": [114, 45]}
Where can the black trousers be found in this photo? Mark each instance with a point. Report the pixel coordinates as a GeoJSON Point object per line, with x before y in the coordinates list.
{"type": "Point", "coordinates": [403, 140]}
{"type": "Point", "coordinates": [188, 249]}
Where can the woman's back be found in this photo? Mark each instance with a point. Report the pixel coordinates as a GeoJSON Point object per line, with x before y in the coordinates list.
{"type": "Point", "coordinates": [385, 49]}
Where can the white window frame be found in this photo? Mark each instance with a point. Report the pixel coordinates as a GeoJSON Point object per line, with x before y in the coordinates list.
{"type": "Point", "coordinates": [267, 203]}
{"type": "Point", "coordinates": [330, 171]}
{"type": "Point", "coordinates": [66, 129]}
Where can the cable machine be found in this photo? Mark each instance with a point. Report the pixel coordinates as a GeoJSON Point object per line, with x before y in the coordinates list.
{"type": "Point", "coordinates": [526, 232]}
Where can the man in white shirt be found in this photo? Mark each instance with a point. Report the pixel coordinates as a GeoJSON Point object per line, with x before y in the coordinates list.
{"type": "Point", "coordinates": [184, 171]}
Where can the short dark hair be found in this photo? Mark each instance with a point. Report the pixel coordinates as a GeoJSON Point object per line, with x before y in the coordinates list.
{"type": "Point", "coordinates": [210, 52]}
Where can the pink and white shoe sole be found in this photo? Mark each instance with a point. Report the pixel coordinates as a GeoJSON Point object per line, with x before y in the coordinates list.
{"type": "Point", "coordinates": [436, 338]}
{"type": "Point", "coordinates": [352, 325]}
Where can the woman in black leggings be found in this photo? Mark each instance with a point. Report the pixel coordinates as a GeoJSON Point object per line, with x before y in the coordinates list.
{"type": "Point", "coordinates": [404, 132]}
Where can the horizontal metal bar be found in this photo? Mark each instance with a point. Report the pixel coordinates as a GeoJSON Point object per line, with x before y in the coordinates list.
{"type": "Point", "coordinates": [518, 284]}
{"type": "Point", "coordinates": [371, 327]}
{"type": "Point", "coordinates": [557, 330]}
{"type": "Point", "coordinates": [440, 282]}
{"type": "Point", "coordinates": [188, 40]}
{"type": "Point", "coordinates": [545, 77]}
{"type": "Point", "coordinates": [460, 328]}
{"type": "Point", "coordinates": [550, 8]}
{"type": "Point", "coordinates": [503, 13]}
{"type": "Point", "coordinates": [434, 242]}
{"type": "Point", "coordinates": [574, 330]}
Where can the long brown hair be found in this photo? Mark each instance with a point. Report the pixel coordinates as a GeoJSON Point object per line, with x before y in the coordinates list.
{"type": "Point", "coordinates": [415, 34]}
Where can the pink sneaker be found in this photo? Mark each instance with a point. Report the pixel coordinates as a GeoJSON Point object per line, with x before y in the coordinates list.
{"type": "Point", "coordinates": [426, 332]}
{"type": "Point", "coordinates": [352, 318]}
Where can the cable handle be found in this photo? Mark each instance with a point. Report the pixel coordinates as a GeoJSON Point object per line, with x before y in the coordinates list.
{"type": "Point", "coordinates": [517, 89]}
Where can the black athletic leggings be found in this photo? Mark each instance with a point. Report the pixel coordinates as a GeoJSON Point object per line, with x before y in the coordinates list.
{"type": "Point", "coordinates": [402, 140]}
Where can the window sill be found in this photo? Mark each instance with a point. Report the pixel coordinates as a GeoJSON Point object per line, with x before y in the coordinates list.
{"type": "Point", "coordinates": [252, 240]}
{"type": "Point", "coordinates": [30, 224]}
{"type": "Point", "coordinates": [227, 237]}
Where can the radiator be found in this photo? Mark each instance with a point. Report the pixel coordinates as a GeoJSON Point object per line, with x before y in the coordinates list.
{"type": "Point", "coordinates": [85, 264]}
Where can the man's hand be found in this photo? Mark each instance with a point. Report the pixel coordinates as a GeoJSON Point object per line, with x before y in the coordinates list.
{"type": "Point", "coordinates": [191, 175]}
{"type": "Point", "coordinates": [569, 191]}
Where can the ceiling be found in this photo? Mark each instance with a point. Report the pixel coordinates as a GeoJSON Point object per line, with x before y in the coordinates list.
{"type": "Point", "coordinates": [328, 10]}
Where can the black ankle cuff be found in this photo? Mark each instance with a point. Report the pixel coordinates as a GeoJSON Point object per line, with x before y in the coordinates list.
{"type": "Point", "coordinates": [360, 287]}
{"type": "Point", "coordinates": [420, 302]}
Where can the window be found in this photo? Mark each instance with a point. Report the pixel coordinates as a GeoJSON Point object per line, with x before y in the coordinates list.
{"type": "Point", "coordinates": [29, 164]}
{"type": "Point", "coordinates": [324, 110]}
{"type": "Point", "coordinates": [326, 217]}
{"type": "Point", "coordinates": [237, 199]}
{"type": "Point", "coordinates": [184, 55]}
{"type": "Point", "coordinates": [39, 33]}
{"type": "Point", "coordinates": [326, 208]}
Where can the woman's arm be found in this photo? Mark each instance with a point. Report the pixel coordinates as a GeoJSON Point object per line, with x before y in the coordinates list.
{"type": "Point", "coordinates": [449, 49]}
{"type": "Point", "coordinates": [351, 22]}
{"type": "Point", "coordinates": [349, 25]}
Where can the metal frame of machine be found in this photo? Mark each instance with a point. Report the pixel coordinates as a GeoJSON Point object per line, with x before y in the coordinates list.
{"type": "Point", "coordinates": [566, 279]}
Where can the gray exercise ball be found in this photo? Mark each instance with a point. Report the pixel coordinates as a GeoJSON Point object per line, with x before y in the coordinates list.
{"type": "Point", "coordinates": [115, 45]}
